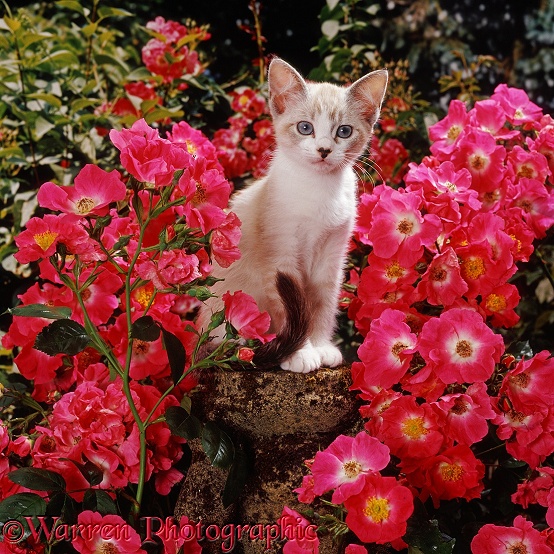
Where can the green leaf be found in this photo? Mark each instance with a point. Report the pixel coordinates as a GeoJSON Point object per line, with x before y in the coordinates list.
{"type": "Point", "coordinates": [38, 479]}
{"type": "Point", "coordinates": [22, 504]}
{"type": "Point", "coordinates": [62, 505]}
{"type": "Point", "coordinates": [91, 472]}
{"type": "Point", "coordinates": [13, 24]}
{"type": "Point", "coordinates": [82, 103]}
{"type": "Point", "coordinates": [90, 29]}
{"type": "Point", "coordinates": [122, 242]}
{"type": "Point", "coordinates": [330, 28]}
{"type": "Point", "coordinates": [425, 534]}
{"type": "Point", "coordinates": [42, 126]}
{"type": "Point", "coordinates": [13, 151]}
{"type": "Point", "coordinates": [521, 350]}
{"type": "Point", "coordinates": [145, 328]}
{"type": "Point", "coordinates": [30, 38]}
{"type": "Point", "coordinates": [63, 336]}
{"type": "Point", "coordinates": [237, 478]}
{"type": "Point", "coordinates": [41, 310]}
{"type": "Point", "coordinates": [163, 113]}
{"type": "Point", "coordinates": [182, 424]}
{"type": "Point", "coordinates": [61, 58]}
{"type": "Point", "coordinates": [218, 446]}
{"type": "Point", "coordinates": [50, 98]}
{"type": "Point", "coordinates": [139, 74]}
{"type": "Point", "coordinates": [512, 463]}
{"type": "Point", "coordinates": [217, 319]}
{"type": "Point", "coordinates": [106, 11]}
{"type": "Point", "coordinates": [71, 5]}
{"type": "Point", "coordinates": [99, 501]}
{"type": "Point", "coordinates": [104, 59]}
{"type": "Point", "coordinates": [176, 354]}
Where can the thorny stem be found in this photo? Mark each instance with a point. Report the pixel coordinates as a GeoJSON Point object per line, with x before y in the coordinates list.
{"type": "Point", "coordinates": [24, 95]}
{"type": "Point", "coordinates": [135, 509]}
{"type": "Point", "coordinates": [142, 425]}
{"type": "Point", "coordinates": [89, 44]}
{"type": "Point", "coordinates": [90, 328]}
{"type": "Point", "coordinates": [255, 8]}
{"type": "Point", "coordinates": [544, 266]}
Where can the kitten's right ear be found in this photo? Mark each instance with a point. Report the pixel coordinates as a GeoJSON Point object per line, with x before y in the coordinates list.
{"type": "Point", "coordinates": [286, 86]}
{"type": "Point", "coordinates": [369, 92]}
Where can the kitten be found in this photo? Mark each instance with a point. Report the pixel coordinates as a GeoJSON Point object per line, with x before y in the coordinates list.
{"type": "Point", "coordinates": [297, 221]}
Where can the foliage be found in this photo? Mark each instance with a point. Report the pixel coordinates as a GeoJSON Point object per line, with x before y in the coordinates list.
{"type": "Point", "coordinates": [66, 79]}
{"type": "Point", "coordinates": [463, 38]}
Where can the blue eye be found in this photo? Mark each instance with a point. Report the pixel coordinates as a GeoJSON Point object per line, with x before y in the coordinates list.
{"type": "Point", "coordinates": [344, 131]}
{"type": "Point", "coordinates": [305, 128]}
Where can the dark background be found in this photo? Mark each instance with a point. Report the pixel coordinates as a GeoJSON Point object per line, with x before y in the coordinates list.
{"type": "Point", "coordinates": [293, 28]}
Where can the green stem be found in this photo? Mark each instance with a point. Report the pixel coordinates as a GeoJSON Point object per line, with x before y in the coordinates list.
{"type": "Point", "coordinates": [88, 61]}
{"type": "Point", "coordinates": [90, 328]}
{"type": "Point", "coordinates": [254, 7]}
{"type": "Point", "coordinates": [135, 509]}
{"type": "Point", "coordinates": [24, 97]}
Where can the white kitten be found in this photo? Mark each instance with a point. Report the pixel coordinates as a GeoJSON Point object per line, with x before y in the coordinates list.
{"type": "Point", "coordinates": [297, 221]}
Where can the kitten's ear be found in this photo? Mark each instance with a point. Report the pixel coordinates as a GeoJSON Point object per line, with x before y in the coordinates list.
{"type": "Point", "coordinates": [286, 86]}
{"type": "Point", "coordinates": [369, 92]}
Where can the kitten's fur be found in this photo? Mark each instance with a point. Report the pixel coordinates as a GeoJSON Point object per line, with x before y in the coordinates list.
{"type": "Point", "coordinates": [298, 219]}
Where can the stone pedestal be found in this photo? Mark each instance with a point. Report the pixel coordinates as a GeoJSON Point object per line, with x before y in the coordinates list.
{"type": "Point", "coordinates": [280, 419]}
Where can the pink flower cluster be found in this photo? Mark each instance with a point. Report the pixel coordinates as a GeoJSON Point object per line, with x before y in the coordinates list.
{"type": "Point", "coordinates": [377, 507]}
{"type": "Point", "coordinates": [171, 57]}
{"type": "Point", "coordinates": [245, 146]}
{"type": "Point", "coordinates": [107, 257]}
{"type": "Point", "coordinates": [521, 537]}
{"type": "Point", "coordinates": [94, 423]}
{"type": "Point", "coordinates": [434, 284]}
{"type": "Point", "coordinates": [154, 160]}
{"type": "Point", "coordinates": [389, 159]}
{"type": "Point", "coordinates": [169, 54]}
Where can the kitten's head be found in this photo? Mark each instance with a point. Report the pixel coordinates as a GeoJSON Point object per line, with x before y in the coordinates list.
{"type": "Point", "coordinates": [320, 124]}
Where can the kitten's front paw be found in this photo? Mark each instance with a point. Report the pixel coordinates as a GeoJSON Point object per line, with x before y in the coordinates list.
{"type": "Point", "coordinates": [303, 361]}
{"type": "Point", "coordinates": [330, 355]}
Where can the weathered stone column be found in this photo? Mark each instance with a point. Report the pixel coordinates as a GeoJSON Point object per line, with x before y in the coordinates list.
{"type": "Point", "coordinates": [281, 419]}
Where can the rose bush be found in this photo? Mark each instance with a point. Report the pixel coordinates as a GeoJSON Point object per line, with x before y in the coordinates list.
{"type": "Point", "coordinates": [104, 340]}
{"type": "Point", "coordinates": [432, 295]}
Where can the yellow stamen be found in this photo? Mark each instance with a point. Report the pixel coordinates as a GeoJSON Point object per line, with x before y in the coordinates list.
{"type": "Point", "coordinates": [473, 268]}
{"type": "Point", "coordinates": [352, 469]}
{"type": "Point", "coordinates": [451, 472]}
{"type": "Point", "coordinates": [377, 509]}
{"type": "Point", "coordinates": [414, 427]}
{"type": "Point", "coordinates": [496, 302]}
{"type": "Point", "coordinates": [85, 205]}
{"type": "Point", "coordinates": [394, 270]}
{"type": "Point", "coordinates": [46, 239]}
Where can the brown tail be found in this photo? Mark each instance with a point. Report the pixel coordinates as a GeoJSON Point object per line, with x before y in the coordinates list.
{"type": "Point", "coordinates": [296, 328]}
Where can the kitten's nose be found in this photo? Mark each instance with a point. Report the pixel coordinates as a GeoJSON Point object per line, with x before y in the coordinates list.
{"type": "Point", "coordinates": [324, 152]}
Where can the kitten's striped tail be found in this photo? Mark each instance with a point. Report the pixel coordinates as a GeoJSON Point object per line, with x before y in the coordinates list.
{"type": "Point", "coordinates": [294, 333]}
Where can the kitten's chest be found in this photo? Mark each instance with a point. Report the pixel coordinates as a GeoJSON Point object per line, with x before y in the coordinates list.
{"type": "Point", "coordinates": [317, 230]}
{"type": "Point", "coordinates": [305, 217]}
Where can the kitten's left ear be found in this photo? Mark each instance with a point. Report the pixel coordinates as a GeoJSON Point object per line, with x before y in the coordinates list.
{"type": "Point", "coordinates": [369, 92]}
